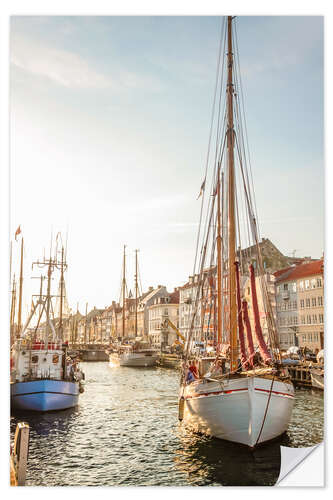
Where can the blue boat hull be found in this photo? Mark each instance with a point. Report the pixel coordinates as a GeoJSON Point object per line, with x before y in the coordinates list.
{"type": "Point", "coordinates": [44, 395]}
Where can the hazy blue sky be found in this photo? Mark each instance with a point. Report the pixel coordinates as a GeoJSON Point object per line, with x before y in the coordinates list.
{"type": "Point", "coordinates": [109, 129]}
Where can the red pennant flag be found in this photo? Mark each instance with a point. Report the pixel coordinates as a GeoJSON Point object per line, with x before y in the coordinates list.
{"type": "Point", "coordinates": [18, 231]}
{"type": "Point", "coordinates": [202, 188]}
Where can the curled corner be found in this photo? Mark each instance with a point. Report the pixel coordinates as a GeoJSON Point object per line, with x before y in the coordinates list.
{"type": "Point", "coordinates": [291, 458]}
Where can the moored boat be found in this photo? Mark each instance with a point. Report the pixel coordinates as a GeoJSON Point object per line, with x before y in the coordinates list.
{"type": "Point", "coordinates": [246, 396]}
{"type": "Point", "coordinates": [43, 376]}
{"type": "Point", "coordinates": [317, 377]}
{"type": "Point", "coordinates": [247, 409]}
{"type": "Point", "coordinates": [138, 354]}
{"type": "Point", "coordinates": [317, 372]}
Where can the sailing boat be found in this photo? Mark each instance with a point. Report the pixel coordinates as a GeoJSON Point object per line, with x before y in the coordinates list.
{"type": "Point", "coordinates": [43, 377]}
{"type": "Point", "coordinates": [245, 397]}
{"type": "Point", "coordinates": [136, 353]}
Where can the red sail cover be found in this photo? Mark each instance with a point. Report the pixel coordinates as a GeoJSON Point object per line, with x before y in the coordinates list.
{"type": "Point", "coordinates": [248, 332]}
{"type": "Point", "coordinates": [240, 320]}
{"type": "Point", "coordinates": [260, 338]}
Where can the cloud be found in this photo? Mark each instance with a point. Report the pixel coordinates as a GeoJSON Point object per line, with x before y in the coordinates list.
{"type": "Point", "coordinates": [65, 68]}
{"type": "Point", "coordinates": [70, 70]}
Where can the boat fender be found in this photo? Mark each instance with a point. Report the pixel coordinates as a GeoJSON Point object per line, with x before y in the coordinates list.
{"type": "Point", "coordinates": [181, 404]}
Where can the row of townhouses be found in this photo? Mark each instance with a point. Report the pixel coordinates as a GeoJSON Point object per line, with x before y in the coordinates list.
{"type": "Point", "coordinates": [300, 305]}
{"type": "Point", "coordinates": [295, 287]}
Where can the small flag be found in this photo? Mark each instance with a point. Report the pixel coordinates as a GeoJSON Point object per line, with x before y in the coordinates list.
{"type": "Point", "coordinates": [18, 231]}
{"type": "Point", "coordinates": [202, 188]}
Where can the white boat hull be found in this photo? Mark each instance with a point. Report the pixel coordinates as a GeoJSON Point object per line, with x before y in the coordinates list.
{"type": "Point", "coordinates": [235, 409]}
{"type": "Point", "coordinates": [134, 359]}
{"type": "Point", "coordinates": [317, 378]}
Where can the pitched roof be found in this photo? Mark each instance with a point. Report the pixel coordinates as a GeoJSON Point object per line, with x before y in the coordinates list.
{"type": "Point", "coordinates": [144, 298]}
{"type": "Point", "coordinates": [301, 271]}
{"type": "Point", "coordinates": [174, 297]}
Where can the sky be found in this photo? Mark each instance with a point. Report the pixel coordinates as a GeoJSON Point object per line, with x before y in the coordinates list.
{"type": "Point", "coordinates": [109, 124]}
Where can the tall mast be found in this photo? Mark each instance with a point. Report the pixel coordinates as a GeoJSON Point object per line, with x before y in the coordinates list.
{"type": "Point", "coordinates": [136, 293]}
{"type": "Point", "coordinates": [48, 302]}
{"type": "Point", "coordinates": [231, 209]}
{"type": "Point", "coordinates": [19, 314]}
{"type": "Point", "coordinates": [219, 263]}
{"type": "Point", "coordinates": [61, 292]}
{"type": "Point", "coordinates": [10, 263]}
{"type": "Point", "coordinates": [12, 310]}
{"type": "Point", "coordinates": [124, 288]}
{"type": "Point", "coordinates": [85, 324]}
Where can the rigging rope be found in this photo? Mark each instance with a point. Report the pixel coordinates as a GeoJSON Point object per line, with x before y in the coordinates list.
{"type": "Point", "coordinates": [265, 414]}
{"type": "Point", "coordinates": [209, 140]}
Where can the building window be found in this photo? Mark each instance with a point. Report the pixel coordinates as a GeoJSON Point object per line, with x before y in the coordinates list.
{"type": "Point", "coordinates": [313, 283]}
{"type": "Point", "coordinates": [315, 337]}
{"type": "Point", "coordinates": [294, 287]}
{"type": "Point", "coordinates": [302, 303]}
{"type": "Point", "coordinates": [320, 301]}
{"type": "Point", "coordinates": [301, 285]}
{"type": "Point", "coordinates": [319, 284]}
{"type": "Point", "coordinates": [307, 284]}
{"type": "Point", "coordinates": [285, 286]}
{"type": "Point", "coordinates": [314, 318]}
{"type": "Point", "coordinates": [308, 319]}
{"type": "Point", "coordinates": [321, 318]}
{"type": "Point", "coordinates": [304, 338]}
{"type": "Point", "coordinates": [310, 337]}
{"type": "Point", "coordinates": [314, 301]}
{"type": "Point", "coordinates": [307, 302]}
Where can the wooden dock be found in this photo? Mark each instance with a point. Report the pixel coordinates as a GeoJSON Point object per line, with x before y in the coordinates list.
{"type": "Point", "coordinates": [300, 374]}
{"type": "Point", "coordinates": [19, 455]}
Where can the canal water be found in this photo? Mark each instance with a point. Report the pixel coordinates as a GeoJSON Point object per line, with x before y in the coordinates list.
{"type": "Point", "coordinates": [125, 432]}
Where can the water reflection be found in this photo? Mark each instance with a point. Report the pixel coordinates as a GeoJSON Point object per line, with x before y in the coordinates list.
{"type": "Point", "coordinates": [47, 423]}
{"type": "Point", "coordinates": [125, 432]}
{"type": "Point", "coordinates": [216, 462]}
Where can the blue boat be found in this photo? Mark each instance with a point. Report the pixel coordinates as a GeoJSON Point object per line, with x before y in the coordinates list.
{"type": "Point", "coordinates": [44, 395]}
{"type": "Point", "coordinates": [43, 376]}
